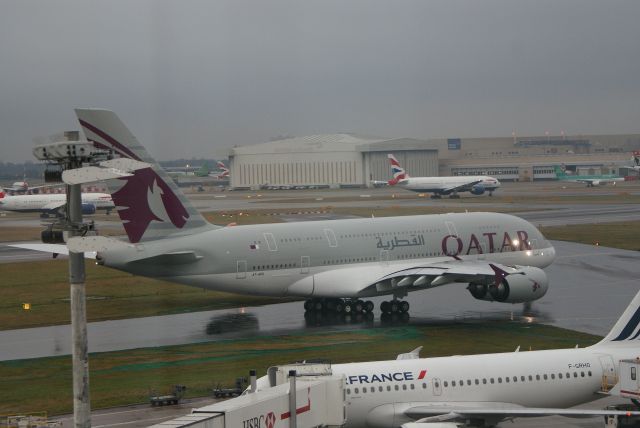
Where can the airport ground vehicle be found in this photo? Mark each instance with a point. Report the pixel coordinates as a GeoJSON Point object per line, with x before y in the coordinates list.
{"type": "Point", "coordinates": [241, 384]}
{"type": "Point", "coordinates": [172, 398]}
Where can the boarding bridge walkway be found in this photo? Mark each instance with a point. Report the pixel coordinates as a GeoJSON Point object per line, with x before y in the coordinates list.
{"type": "Point", "coordinates": [318, 400]}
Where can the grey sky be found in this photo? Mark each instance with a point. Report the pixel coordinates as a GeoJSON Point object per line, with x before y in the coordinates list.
{"type": "Point", "coordinates": [193, 77]}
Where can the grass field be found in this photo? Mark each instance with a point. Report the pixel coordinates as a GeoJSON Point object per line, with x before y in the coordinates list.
{"type": "Point", "coordinates": [620, 197]}
{"type": "Point", "coordinates": [625, 235]}
{"type": "Point", "coordinates": [111, 294]}
{"type": "Point", "coordinates": [126, 377]}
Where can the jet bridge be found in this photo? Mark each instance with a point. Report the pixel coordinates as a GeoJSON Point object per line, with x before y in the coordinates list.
{"type": "Point", "coordinates": [299, 396]}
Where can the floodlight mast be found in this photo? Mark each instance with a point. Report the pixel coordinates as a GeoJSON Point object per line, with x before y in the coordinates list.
{"type": "Point", "coordinates": [61, 156]}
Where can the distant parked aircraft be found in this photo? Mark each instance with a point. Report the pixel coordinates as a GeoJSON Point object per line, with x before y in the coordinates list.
{"type": "Point", "coordinates": [22, 187]}
{"type": "Point", "coordinates": [53, 203]}
{"type": "Point", "coordinates": [589, 180]}
{"type": "Point", "coordinates": [438, 186]}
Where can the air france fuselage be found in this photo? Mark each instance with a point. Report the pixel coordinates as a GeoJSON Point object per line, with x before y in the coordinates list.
{"type": "Point", "coordinates": [379, 393]}
{"type": "Point", "coordinates": [288, 259]}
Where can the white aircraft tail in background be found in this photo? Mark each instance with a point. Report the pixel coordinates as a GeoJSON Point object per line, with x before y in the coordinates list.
{"type": "Point", "coordinates": [224, 171]}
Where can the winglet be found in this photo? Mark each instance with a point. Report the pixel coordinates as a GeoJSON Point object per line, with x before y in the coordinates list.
{"type": "Point", "coordinates": [499, 274]}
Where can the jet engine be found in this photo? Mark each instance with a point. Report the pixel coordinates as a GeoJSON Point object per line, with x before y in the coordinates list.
{"type": "Point", "coordinates": [88, 209]}
{"type": "Point", "coordinates": [478, 189]}
{"type": "Point", "coordinates": [525, 285]}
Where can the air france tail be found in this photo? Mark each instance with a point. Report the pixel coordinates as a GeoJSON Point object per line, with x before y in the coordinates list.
{"type": "Point", "coordinates": [627, 330]}
{"type": "Point", "coordinates": [149, 203]}
{"type": "Point", "coordinates": [397, 171]}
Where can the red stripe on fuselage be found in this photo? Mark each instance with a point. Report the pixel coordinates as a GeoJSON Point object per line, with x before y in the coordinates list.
{"type": "Point", "coordinates": [423, 373]}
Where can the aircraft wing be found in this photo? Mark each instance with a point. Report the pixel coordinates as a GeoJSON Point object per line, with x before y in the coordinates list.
{"type": "Point", "coordinates": [50, 248]}
{"type": "Point", "coordinates": [461, 187]}
{"type": "Point", "coordinates": [437, 274]}
{"type": "Point", "coordinates": [379, 278]}
{"type": "Point", "coordinates": [428, 414]}
{"type": "Point", "coordinates": [51, 206]}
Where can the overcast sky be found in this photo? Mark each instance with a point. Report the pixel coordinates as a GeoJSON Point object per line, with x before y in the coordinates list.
{"type": "Point", "coordinates": [191, 78]}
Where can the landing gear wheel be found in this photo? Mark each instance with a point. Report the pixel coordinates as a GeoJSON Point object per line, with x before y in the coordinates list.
{"type": "Point", "coordinates": [358, 306]}
{"type": "Point", "coordinates": [385, 307]}
{"type": "Point", "coordinates": [348, 308]}
{"type": "Point", "coordinates": [394, 307]}
{"type": "Point", "coordinates": [318, 305]}
{"type": "Point", "coordinates": [308, 305]}
{"type": "Point", "coordinates": [404, 306]}
{"type": "Point", "coordinates": [368, 306]}
{"type": "Point", "coordinates": [339, 308]}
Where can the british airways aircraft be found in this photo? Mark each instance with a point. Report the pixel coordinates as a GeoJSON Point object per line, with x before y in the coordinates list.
{"type": "Point", "coordinates": [438, 186]}
{"type": "Point", "coordinates": [53, 204]}
{"type": "Point", "coordinates": [483, 390]}
{"type": "Point", "coordinates": [334, 264]}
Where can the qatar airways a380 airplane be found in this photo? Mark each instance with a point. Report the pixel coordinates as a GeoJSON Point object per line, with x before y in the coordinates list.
{"type": "Point", "coordinates": [334, 264]}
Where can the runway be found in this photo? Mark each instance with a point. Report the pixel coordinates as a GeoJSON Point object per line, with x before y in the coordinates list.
{"type": "Point", "coordinates": [579, 278]}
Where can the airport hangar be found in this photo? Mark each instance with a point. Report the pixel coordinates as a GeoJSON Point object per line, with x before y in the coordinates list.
{"type": "Point", "coordinates": [351, 160]}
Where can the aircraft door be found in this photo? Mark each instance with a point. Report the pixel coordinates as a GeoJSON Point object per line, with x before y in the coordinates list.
{"type": "Point", "coordinates": [609, 377]}
{"type": "Point", "coordinates": [437, 387]}
{"type": "Point", "coordinates": [271, 242]}
{"type": "Point", "coordinates": [451, 228]}
{"type": "Point", "coordinates": [331, 238]}
{"type": "Point", "coordinates": [384, 256]}
{"type": "Point", "coordinates": [305, 262]}
{"type": "Point", "coordinates": [241, 272]}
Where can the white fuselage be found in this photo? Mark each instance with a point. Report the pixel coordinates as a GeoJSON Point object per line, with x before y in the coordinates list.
{"type": "Point", "coordinates": [379, 393]}
{"type": "Point", "coordinates": [441, 184]}
{"type": "Point", "coordinates": [330, 258]}
{"type": "Point", "coordinates": [545, 379]}
{"type": "Point", "coordinates": [49, 202]}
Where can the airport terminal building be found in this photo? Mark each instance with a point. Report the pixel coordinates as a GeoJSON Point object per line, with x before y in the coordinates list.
{"type": "Point", "coordinates": [351, 160]}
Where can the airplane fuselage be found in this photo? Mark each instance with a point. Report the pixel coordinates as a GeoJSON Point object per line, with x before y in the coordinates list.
{"type": "Point", "coordinates": [440, 184]}
{"type": "Point", "coordinates": [40, 203]}
{"type": "Point", "coordinates": [379, 393]}
{"type": "Point", "coordinates": [286, 259]}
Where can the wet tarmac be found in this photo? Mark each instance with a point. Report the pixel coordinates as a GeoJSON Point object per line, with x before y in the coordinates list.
{"type": "Point", "coordinates": [590, 287]}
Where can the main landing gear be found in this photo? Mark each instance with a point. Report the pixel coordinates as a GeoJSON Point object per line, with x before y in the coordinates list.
{"type": "Point", "coordinates": [394, 307]}
{"type": "Point", "coordinates": [340, 306]}
{"type": "Point", "coordinates": [355, 306]}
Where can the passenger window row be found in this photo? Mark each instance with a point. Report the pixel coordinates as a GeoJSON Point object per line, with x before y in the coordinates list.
{"type": "Point", "coordinates": [470, 382]}
{"type": "Point", "coordinates": [515, 379]}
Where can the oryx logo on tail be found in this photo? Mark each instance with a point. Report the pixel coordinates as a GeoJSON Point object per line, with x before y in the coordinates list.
{"type": "Point", "coordinates": [144, 198]}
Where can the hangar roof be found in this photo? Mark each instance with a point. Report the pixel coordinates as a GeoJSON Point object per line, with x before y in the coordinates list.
{"type": "Point", "coordinates": [331, 143]}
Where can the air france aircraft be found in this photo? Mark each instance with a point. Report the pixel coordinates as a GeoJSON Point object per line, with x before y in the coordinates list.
{"type": "Point", "coordinates": [334, 264]}
{"type": "Point", "coordinates": [438, 186]}
{"type": "Point", "coordinates": [482, 390]}
{"type": "Point", "coordinates": [53, 203]}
